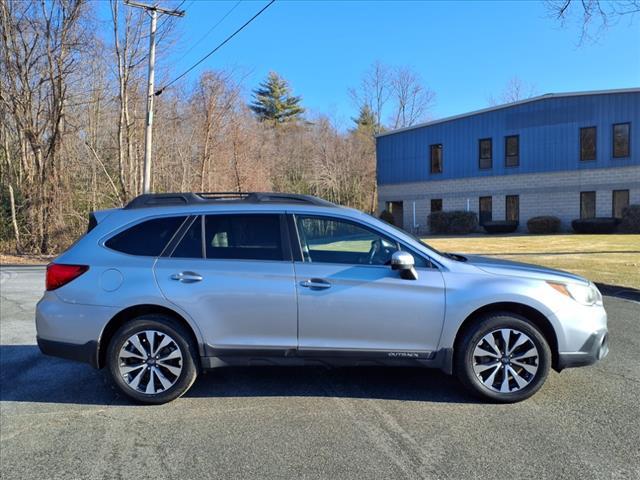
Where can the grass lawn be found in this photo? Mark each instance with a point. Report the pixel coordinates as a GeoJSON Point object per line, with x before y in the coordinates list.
{"type": "Point", "coordinates": [608, 259]}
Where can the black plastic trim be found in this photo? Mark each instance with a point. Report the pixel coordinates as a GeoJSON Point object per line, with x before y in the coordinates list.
{"type": "Point", "coordinates": [594, 349]}
{"type": "Point", "coordinates": [86, 353]}
{"type": "Point", "coordinates": [217, 357]}
{"type": "Point", "coordinates": [150, 200]}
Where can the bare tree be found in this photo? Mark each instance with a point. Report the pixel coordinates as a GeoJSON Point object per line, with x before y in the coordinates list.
{"type": "Point", "coordinates": [411, 98]}
{"type": "Point", "coordinates": [514, 91]}
{"type": "Point", "coordinates": [593, 16]}
{"type": "Point", "coordinates": [40, 45]}
{"type": "Point", "coordinates": [374, 91]}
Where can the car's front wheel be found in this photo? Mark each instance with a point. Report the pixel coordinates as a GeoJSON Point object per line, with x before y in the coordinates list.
{"type": "Point", "coordinates": [151, 359]}
{"type": "Point", "coordinates": [503, 357]}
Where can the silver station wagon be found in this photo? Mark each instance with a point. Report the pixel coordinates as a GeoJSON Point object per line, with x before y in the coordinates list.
{"type": "Point", "coordinates": [173, 284]}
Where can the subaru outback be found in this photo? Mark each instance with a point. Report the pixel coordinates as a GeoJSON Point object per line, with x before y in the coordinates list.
{"type": "Point", "coordinates": [174, 284]}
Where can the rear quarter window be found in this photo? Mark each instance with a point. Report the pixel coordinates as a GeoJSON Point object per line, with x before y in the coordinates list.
{"type": "Point", "coordinates": [147, 238]}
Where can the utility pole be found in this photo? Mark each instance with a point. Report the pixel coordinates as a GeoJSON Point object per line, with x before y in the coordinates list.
{"type": "Point", "coordinates": [153, 11]}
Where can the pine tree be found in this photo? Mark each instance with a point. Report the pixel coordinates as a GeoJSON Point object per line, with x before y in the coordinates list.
{"type": "Point", "coordinates": [273, 101]}
{"type": "Point", "coordinates": [366, 122]}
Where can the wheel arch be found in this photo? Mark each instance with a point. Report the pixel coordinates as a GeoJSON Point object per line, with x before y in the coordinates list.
{"type": "Point", "coordinates": [132, 312]}
{"type": "Point", "coordinates": [526, 311]}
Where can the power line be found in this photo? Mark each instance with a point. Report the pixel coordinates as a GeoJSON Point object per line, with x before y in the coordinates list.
{"type": "Point", "coordinates": [160, 90]}
{"type": "Point", "coordinates": [211, 29]}
{"type": "Point", "coordinates": [162, 22]}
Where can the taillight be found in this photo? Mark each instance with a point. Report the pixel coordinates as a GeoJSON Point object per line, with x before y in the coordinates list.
{"type": "Point", "coordinates": [59, 274]}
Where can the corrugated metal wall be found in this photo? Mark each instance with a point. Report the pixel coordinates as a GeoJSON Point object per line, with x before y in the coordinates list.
{"type": "Point", "coordinates": [549, 131]}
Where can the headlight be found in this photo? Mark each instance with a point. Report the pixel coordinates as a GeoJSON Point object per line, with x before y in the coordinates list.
{"type": "Point", "coordinates": [583, 294]}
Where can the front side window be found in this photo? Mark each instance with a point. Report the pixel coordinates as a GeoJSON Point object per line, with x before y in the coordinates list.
{"type": "Point", "coordinates": [436, 158]}
{"type": "Point", "coordinates": [332, 240]}
{"type": "Point", "coordinates": [620, 202]}
{"type": "Point", "coordinates": [621, 140]}
{"type": "Point", "coordinates": [587, 205]}
{"type": "Point", "coordinates": [486, 210]}
{"type": "Point", "coordinates": [146, 239]}
{"type": "Point", "coordinates": [588, 143]}
{"type": "Point", "coordinates": [486, 153]}
{"type": "Point", "coordinates": [512, 151]}
{"type": "Point", "coordinates": [436, 204]}
{"type": "Point", "coordinates": [512, 207]}
{"type": "Point", "coordinates": [243, 237]}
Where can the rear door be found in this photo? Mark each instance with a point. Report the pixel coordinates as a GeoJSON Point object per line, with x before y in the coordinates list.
{"type": "Point", "coordinates": [349, 299]}
{"type": "Point", "coordinates": [233, 274]}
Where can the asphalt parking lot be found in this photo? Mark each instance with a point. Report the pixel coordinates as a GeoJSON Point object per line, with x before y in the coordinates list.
{"type": "Point", "coordinates": [60, 419]}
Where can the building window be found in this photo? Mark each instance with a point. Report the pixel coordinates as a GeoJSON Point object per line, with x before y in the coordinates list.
{"type": "Point", "coordinates": [621, 140]}
{"type": "Point", "coordinates": [512, 208]}
{"type": "Point", "coordinates": [587, 205]}
{"type": "Point", "coordinates": [485, 210]}
{"type": "Point", "coordinates": [588, 143]}
{"type": "Point", "coordinates": [436, 158]}
{"type": "Point", "coordinates": [512, 151]}
{"type": "Point", "coordinates": [486, 153]}
{"type": "Point", "coordinates": [436, 204]}
{"type": "Point", "coordinates": [620, 202]}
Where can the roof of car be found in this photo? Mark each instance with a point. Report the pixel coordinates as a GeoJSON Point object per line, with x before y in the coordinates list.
{"type": "Point", "coordinates": [151, 200]}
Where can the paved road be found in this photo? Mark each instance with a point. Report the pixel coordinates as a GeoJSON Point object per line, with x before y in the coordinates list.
{"type": "Point", "coordinates": [60, 419]}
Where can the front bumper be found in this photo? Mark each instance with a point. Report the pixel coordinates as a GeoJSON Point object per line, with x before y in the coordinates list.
{"type": "Point", "coordinates": [594, 349]}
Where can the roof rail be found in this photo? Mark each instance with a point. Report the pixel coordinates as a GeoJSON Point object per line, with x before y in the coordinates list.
{"type": "Point", "coordinates": [150, 200]}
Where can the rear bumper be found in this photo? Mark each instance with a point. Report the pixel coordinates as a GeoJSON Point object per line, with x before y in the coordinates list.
{"type": "Point", "coordinates": [594, 349]}
{"type": "Point", "coordinates": [87, 353]}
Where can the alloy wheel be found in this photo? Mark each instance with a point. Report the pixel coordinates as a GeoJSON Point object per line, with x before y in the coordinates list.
{"type": "Point", "coordinates": [150, 362]}
{"type": "Point", "coordinates": [505, 360]}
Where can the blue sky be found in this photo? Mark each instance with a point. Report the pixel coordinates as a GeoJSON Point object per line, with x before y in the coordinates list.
{"type": "Point", "coordinates": [464, 51]}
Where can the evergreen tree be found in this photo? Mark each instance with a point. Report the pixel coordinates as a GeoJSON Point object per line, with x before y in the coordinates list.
{"type": "Point", "coordinates": [366, 122]}
{"type": "Point", "coordinates": [273, 101]}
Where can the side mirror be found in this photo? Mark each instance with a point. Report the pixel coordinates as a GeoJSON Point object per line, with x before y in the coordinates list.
{"type": "Point", "coordinates": [405, 264]}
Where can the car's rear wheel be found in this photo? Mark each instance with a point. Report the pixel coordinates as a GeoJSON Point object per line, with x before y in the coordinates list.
{"type": "Point", "coordinates": [503, 357]}
{"type": "Point", "coordinates": [151, 359]}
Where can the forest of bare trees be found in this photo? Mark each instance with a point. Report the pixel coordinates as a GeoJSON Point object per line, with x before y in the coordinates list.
{"type": "Point", "coordinates": [72, 106]}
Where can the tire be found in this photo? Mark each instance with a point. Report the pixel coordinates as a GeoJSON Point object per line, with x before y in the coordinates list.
{"type": "Point", "coordinates": [143, 378]}
{"type": "Point", "coordinates": [526, 363]}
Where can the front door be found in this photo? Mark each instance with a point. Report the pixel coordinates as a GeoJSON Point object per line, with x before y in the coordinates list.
{"type": "Point", "coordinates": [233, 275]}
{"type": "Point", "coordinates": [349, 299]}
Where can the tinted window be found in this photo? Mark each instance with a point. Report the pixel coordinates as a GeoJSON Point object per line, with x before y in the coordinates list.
{"type": "Point", "coordinates": [147, 238]}
{"type": "Point", "coordinates": [486, 153]}
{"type": "Point", "coordinates": [486, 213]}
{"type": "Point", "coordinates": [587, 204]}
{"type": "Point", "coordinates": [620, 202]}
{"type": "Point", "coordinates": [621, 140]}
{"type": "Point", "coordinates": [512, 207]}
{"type": "Point", "coordinates": [243, 237]}
{"type": "Point", "coordinates": [588, 143]}
{"type": "Point", "coordinates": [330, 240]}
{"type": "Point", "coordinates": [336, 241]}
{"type": "Point", "coordinates": [436, 158]}
{"type": "Point", "coordinates": [191, 244]}
{"type": "Point", "coordinates": [512, 151]}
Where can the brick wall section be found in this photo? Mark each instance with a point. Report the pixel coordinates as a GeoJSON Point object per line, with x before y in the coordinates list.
{"type": "Point", "coordinates": [556, 193]}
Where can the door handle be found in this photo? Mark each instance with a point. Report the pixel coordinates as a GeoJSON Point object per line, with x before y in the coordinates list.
{"type": "Point", "coordinates": [315, 284]}
{"type": "Point", "coordinates": [187, 277]}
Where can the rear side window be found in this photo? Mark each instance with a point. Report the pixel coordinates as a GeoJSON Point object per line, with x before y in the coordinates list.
{"type": "Point", "coordinates": [191, 244]}
{"type": "Point", "coordinates": [243, 237]}
{"type": "Point", "coordinates": [147, 238]}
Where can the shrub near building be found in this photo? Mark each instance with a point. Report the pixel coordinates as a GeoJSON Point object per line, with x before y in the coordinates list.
{"type": "Point", "coordinates": [457, 222]}
{"type": "Point", "coordinates": [630, 220]}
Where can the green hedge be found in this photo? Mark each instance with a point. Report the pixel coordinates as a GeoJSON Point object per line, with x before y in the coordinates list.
{"type": "Point", "coordinates": [455, 222]}
{"type": "Point", "coordinates": [386, 216]}
{"type": "Point", "coordinates": [630, 219]}
{"type": "Point", "coordinates": [543, 224]}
